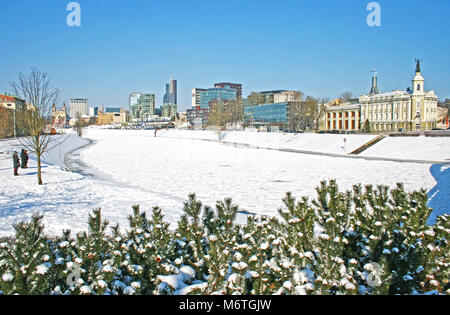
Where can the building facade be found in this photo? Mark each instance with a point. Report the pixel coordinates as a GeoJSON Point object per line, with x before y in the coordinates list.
{"type": "Point", "coordinates": [409, 110]}
{"type": "Point", "coordinates": [78, 107]}
{"type": "Point", "coordinates": [232, 86]}
{"type": "Point", "coordinates": [209, 95]}
{"type": "Point", "coordinates": [59, 117]}
{"type": "Point", "coordinates": [196, 97]}
{"type": "Point", "coordinates": [170, 107]}
{"type": "Point", "coordinates": [170, 97]}
{"type": "Point", "coordinates": [288, 96]}
{"type": "Point", "coordinates": [142, 105]}
{"type": "Point", "coordinates": [113, 116]}
{"type": "Point", "coordinates": [345, 117]}
{"type": "Point", "coordinates": [265, 114]}
{"type": "Point", "coordinates": [169, 110]}
{"type": "Point", "coordinates": [12, 102]}
{"type": "Point", "coordinates": [265, 97]}
{"type": "Point", "coordinates": [197, 117]}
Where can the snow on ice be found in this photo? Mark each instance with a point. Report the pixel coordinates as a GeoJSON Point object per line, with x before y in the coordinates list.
{"type": "Point", "coordinates": [115, 169]}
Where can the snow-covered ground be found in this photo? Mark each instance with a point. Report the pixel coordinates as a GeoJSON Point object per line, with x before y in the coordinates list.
{"type": "Point", "coordinates": [310, 142]}
{"type": "Point", "coordinates": [122, 168]}
{"type": "Point", "coordinates": [418, 148]}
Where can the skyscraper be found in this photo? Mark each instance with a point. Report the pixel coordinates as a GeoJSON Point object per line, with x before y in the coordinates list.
{"type": "Point", "coordinates": [170, 107]}
{"type": "Point", "coordinates": [171, 93]}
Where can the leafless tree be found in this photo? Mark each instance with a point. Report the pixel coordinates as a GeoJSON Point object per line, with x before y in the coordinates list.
{"type": "Point", "coordinates": [301, 114]}
{"type": "Point", "coordinates": [80, 123]}
{"type": "Point", "coordinates": [319, 112]}
{"type": "Point", "coordinates": [37, 91]}
{"type": "Point", "coordinates": [346, 96]}
{"type": "Point", "coordinates": [6, 123]}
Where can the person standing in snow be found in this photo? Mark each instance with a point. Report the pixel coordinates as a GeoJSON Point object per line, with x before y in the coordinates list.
{"type": "Point", "coordinates": [16, 163]}
{"type": "Point", "coordinates": [24, 158]}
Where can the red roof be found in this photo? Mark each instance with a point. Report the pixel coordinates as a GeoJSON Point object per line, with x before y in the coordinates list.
{"type": "Point", "coordinates": [6, 98]}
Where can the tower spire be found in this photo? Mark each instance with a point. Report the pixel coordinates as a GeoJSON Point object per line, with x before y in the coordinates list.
{"type": "Point", "coordinates": [374, 89]}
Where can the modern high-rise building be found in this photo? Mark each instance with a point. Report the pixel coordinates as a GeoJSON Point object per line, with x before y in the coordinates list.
{"type": "Point", "coordinates": [232, 86]}
{"type": "Point", "coordinates": [78, 106]}
{"type": "Point", "coordinates": [265, 97]}
{"type": "Point", "coordinates": [170, 107]}
{"type": "Point", "coordinates": [209, 95]}
{"type": "Point", "coordinates": [171, 93]}
{"type": "Point", "coordinates": [196, 97]}
{"type": "Point", "coordinates": [142, 105]}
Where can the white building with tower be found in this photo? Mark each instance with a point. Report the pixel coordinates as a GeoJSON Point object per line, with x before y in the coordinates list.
{"type": "Point", "coordinates": [410, 110]}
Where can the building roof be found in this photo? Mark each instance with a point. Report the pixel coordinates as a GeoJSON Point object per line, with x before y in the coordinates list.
{"type": "Point", "coordinates": [9, 98]}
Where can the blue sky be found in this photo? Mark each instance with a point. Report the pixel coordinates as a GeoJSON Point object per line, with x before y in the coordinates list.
{"type": "Point", "coordinates": [321, 47]}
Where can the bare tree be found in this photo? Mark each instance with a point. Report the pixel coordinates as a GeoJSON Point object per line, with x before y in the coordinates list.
{"type": "Point", "coordinates": [80, 123]}
{"type": "Point", "coordinates": [346, 96]}
{"type": "Point", "coordinates": [319, 112]}
{"type": "Point", "coordinates": [301, 114]}
{"type": "Point", "coordinates": [6, 123]}
{"type": "Point", "coordinates": [37, 91]}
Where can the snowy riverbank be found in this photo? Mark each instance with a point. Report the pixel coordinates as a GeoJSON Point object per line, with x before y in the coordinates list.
{"type": "Point", "coordinates": [134, 167]}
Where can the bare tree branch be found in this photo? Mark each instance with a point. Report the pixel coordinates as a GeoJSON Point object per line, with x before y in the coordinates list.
{"type": "Point", "coordinates": [38, 93]}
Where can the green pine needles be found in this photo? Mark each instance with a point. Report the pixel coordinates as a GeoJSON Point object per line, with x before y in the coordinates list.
{"type": "Point", "coordinates": [363, 241]}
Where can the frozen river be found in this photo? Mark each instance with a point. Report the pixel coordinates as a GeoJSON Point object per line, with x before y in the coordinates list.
{"type": "Point", "coordinates": [123, 168]}
{"type": "Point", "coordinates": [257, 179]}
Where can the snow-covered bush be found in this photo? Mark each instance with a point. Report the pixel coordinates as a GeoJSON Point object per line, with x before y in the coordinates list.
{"type": "Point", "coordinates": [363, 241]}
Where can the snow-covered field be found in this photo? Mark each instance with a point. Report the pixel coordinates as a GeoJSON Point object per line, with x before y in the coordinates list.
{"type": "Point", "coordinates": [122, 168]}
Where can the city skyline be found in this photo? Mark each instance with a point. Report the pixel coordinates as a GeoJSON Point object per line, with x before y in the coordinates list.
{"type": "Point", "coordinates": [321, 49]}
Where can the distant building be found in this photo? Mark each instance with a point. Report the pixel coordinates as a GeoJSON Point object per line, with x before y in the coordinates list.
{"type": "Point", "coordinates": [59, 117]}
{"type": "Point", "coordinates": [142, 106]}
{"type": "Point", "coordinates": [233, 86]}
{"type": "Point", "coordinates": [114, 116]}
{"type": "Point", "coordinates": [196, 97]}
{"type": "Point", "coordinates": [209, 95]}
{"type": "Point", "coordinates": [197, 116]}
{"type": "Point", "coordinates": [170, 107]}
{"type": "Point", "coordinates": [287, 96]}
{"type": "Point", "coordinates": [169, 110]}
{"type": "Point", "coordinates": [113, 110]}
{"type": "Point", "coordinates": [409, 110]}
{"type": "Point", "coordinates": [12, 102]}
{"type": "Point", "coordinates": [267, 114]}
{"type": "Point", "coordinates": [265, 97]}
{"type": "Point", "coordinates": [345, 117]}
{"type": "Point", "coordinates": [78, 107]}
{"type": "Point", "coordinates": [171, 93]}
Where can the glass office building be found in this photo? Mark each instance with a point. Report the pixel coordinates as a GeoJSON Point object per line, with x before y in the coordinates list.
{"type": "Point", "coordinates": [267, 113]}
{"type": "Point", "coordinates": [215, 94]}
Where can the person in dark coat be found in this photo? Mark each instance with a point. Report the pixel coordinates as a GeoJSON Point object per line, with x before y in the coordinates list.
{"type": "Point", "coordinates": [24, 158]}
{"type": "Point", "coordinates": [16, 163]}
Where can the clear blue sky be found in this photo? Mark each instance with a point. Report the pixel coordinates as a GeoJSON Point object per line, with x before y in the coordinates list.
{"type": "Point", "coordinates": [321, 47]}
